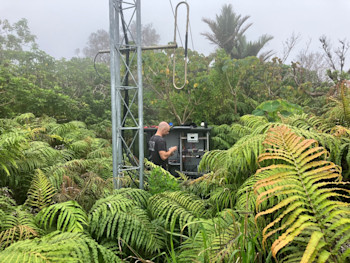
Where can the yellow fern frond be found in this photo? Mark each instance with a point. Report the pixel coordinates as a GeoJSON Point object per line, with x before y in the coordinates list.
{"type": "Point", "coordinates": [297, 194]}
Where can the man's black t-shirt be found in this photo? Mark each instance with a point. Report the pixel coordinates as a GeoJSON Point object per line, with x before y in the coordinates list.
{"type": "Point", "coordinates": [156, 144]}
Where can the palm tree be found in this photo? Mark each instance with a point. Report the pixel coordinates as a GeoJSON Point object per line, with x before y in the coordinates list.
{"type": "Point", "coordinates": [228, 32]}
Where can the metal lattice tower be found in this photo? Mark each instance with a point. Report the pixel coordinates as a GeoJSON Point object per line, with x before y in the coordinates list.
{"type": "Point", "coordinates": [127, 126]}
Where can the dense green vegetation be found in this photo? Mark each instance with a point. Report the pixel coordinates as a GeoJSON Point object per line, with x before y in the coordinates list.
{"type": "Point", "coordinates": [276, 187]}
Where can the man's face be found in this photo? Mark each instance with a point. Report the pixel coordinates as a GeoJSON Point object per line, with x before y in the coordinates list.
{"type": "Point", "coordinates": [166, 130]}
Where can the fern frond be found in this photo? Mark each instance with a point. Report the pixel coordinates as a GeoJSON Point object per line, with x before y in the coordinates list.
{"type": "Point", "coordinates": [223, 197]}
{"type": "Point", "coordinates": [25, 118]}
{"type": "Point", "coordinates": [238, 161]}
{"type": "Point", "coordinates": [139, 196]}
{"type": "Point", "coordinates": [252, 121]}
{"type": "Point", "coordinates": [38, 155]}
{"type": "Point", "coordinates": [11, 145]}
{"type": "Point", "coordinates": [103, 152]}
{"type": "Point", "coordinates": [300, 189]}
{"type": "Point", "coordinates": [7, 203]}
{"type": "Point", "coordinates": [118, 217]}
{"type": "Point", "coordinates": [216, 240]}
{"type": "Point", "coordinates": [40, 192]}
{"type": "Point", "coordinates": [17, 225]}
{"type": "Point", "coordinates": [179, 208]}
{"type": "Point", "coordinates": [59, 247]}
{"type": "Point", "coordinates": [308, 122]}
{"type": "Point", "coordinates": [66, 217]}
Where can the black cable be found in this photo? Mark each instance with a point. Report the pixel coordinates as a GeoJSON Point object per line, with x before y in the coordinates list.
{"type": "Point", "coordinates": [98, 74]}
{"type": "Point", "coordinates": [189, 22]}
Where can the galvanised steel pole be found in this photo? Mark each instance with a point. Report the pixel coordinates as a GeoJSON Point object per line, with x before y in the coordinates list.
{"type": "Point", "coordinates": [140, 90]}
{"type": "Point", "coordinates": [115, 82]}
{"type": "Point", "coordinates": [118, 103]}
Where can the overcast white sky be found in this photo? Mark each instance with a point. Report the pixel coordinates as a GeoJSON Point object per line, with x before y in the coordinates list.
{"type": "Point", "coordinates": [61, 26]}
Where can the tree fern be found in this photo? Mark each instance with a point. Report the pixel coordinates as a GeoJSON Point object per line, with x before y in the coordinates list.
{"type": "Point", "coordinates": [59, 248]}
{"type": "Point", "coordinates": [303, 192]}
{"type": "Point", "coordinates": [118, 217]}
{"type": "Point", "coordinates": [66, 217]}
{"type": "Point", "coordinates": [40, 192]}
{"type": "Point", "coordinates": [178, 208]}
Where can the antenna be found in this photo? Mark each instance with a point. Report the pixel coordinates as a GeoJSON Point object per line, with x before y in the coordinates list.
{"type": "Point", "coordinates": [186, 41]}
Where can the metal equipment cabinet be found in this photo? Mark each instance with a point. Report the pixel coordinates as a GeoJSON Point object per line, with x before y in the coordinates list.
{"type": "Point", "coordinates": [192, 143]}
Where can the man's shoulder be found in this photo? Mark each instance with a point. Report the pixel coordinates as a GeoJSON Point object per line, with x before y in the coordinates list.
{"type": "Point", "coordinates": [156, 138]}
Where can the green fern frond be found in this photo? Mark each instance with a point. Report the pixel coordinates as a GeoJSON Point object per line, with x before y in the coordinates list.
{"type": "Point", "coordinates": [306, 187]}
{"type": "Point", "coordinates": [15, 226]}
{"type": "Point", "coordinates": [25, 118]}
{"type": "Point", "coordinates": [59, 248]}
{"type": "Point", "coordinates": [238, 161]}
{"type": "Point", "coordinates": [102, 152]}
{"type": "Point", "coordinates": [38, 155]}
{"type": "Point", "coordinates": [308, 122]}
{"type": "Point", "coordinates": [223, 197]}
{"type": "Point", "coordinates": [11, 145]}
{"type": "Point", "coordinates": [216, 240]}
{"type": "Point", "coordinates": [66, 217]}
{"type": "Point", "coordinates": [66, 128]}
{"type": "Point", "coordinates": [118, 217]}
{"type": "Point", "coordinates": [179, 208]}
{"type": "Point", "coordinates": [93, 188]}
{"type": "Point", "coordinates": [253, 122]}
{"type": "Point", "coordinates": [139, 196]}
{"type": "Point", "coordinates": [7, 203]}
{"type": "Point", "coordinates": [40, 192]}
{"type": "Point", "coordinates": [55, 173]}
{"type": "Point", "coordinates": [224, 136]}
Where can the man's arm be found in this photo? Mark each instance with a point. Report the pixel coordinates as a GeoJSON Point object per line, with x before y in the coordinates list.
{"type": "Point", "coordinates": [165, 155]}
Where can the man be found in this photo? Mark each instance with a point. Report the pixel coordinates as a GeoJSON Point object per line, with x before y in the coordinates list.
{"type": "Point", "coordinates": [157, 146]}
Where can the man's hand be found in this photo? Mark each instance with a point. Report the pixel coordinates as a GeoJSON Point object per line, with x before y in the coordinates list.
{"type": "Point", "coordinates": [172, 150]}
{"type": "Point", "coordinates": [165, 155]}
